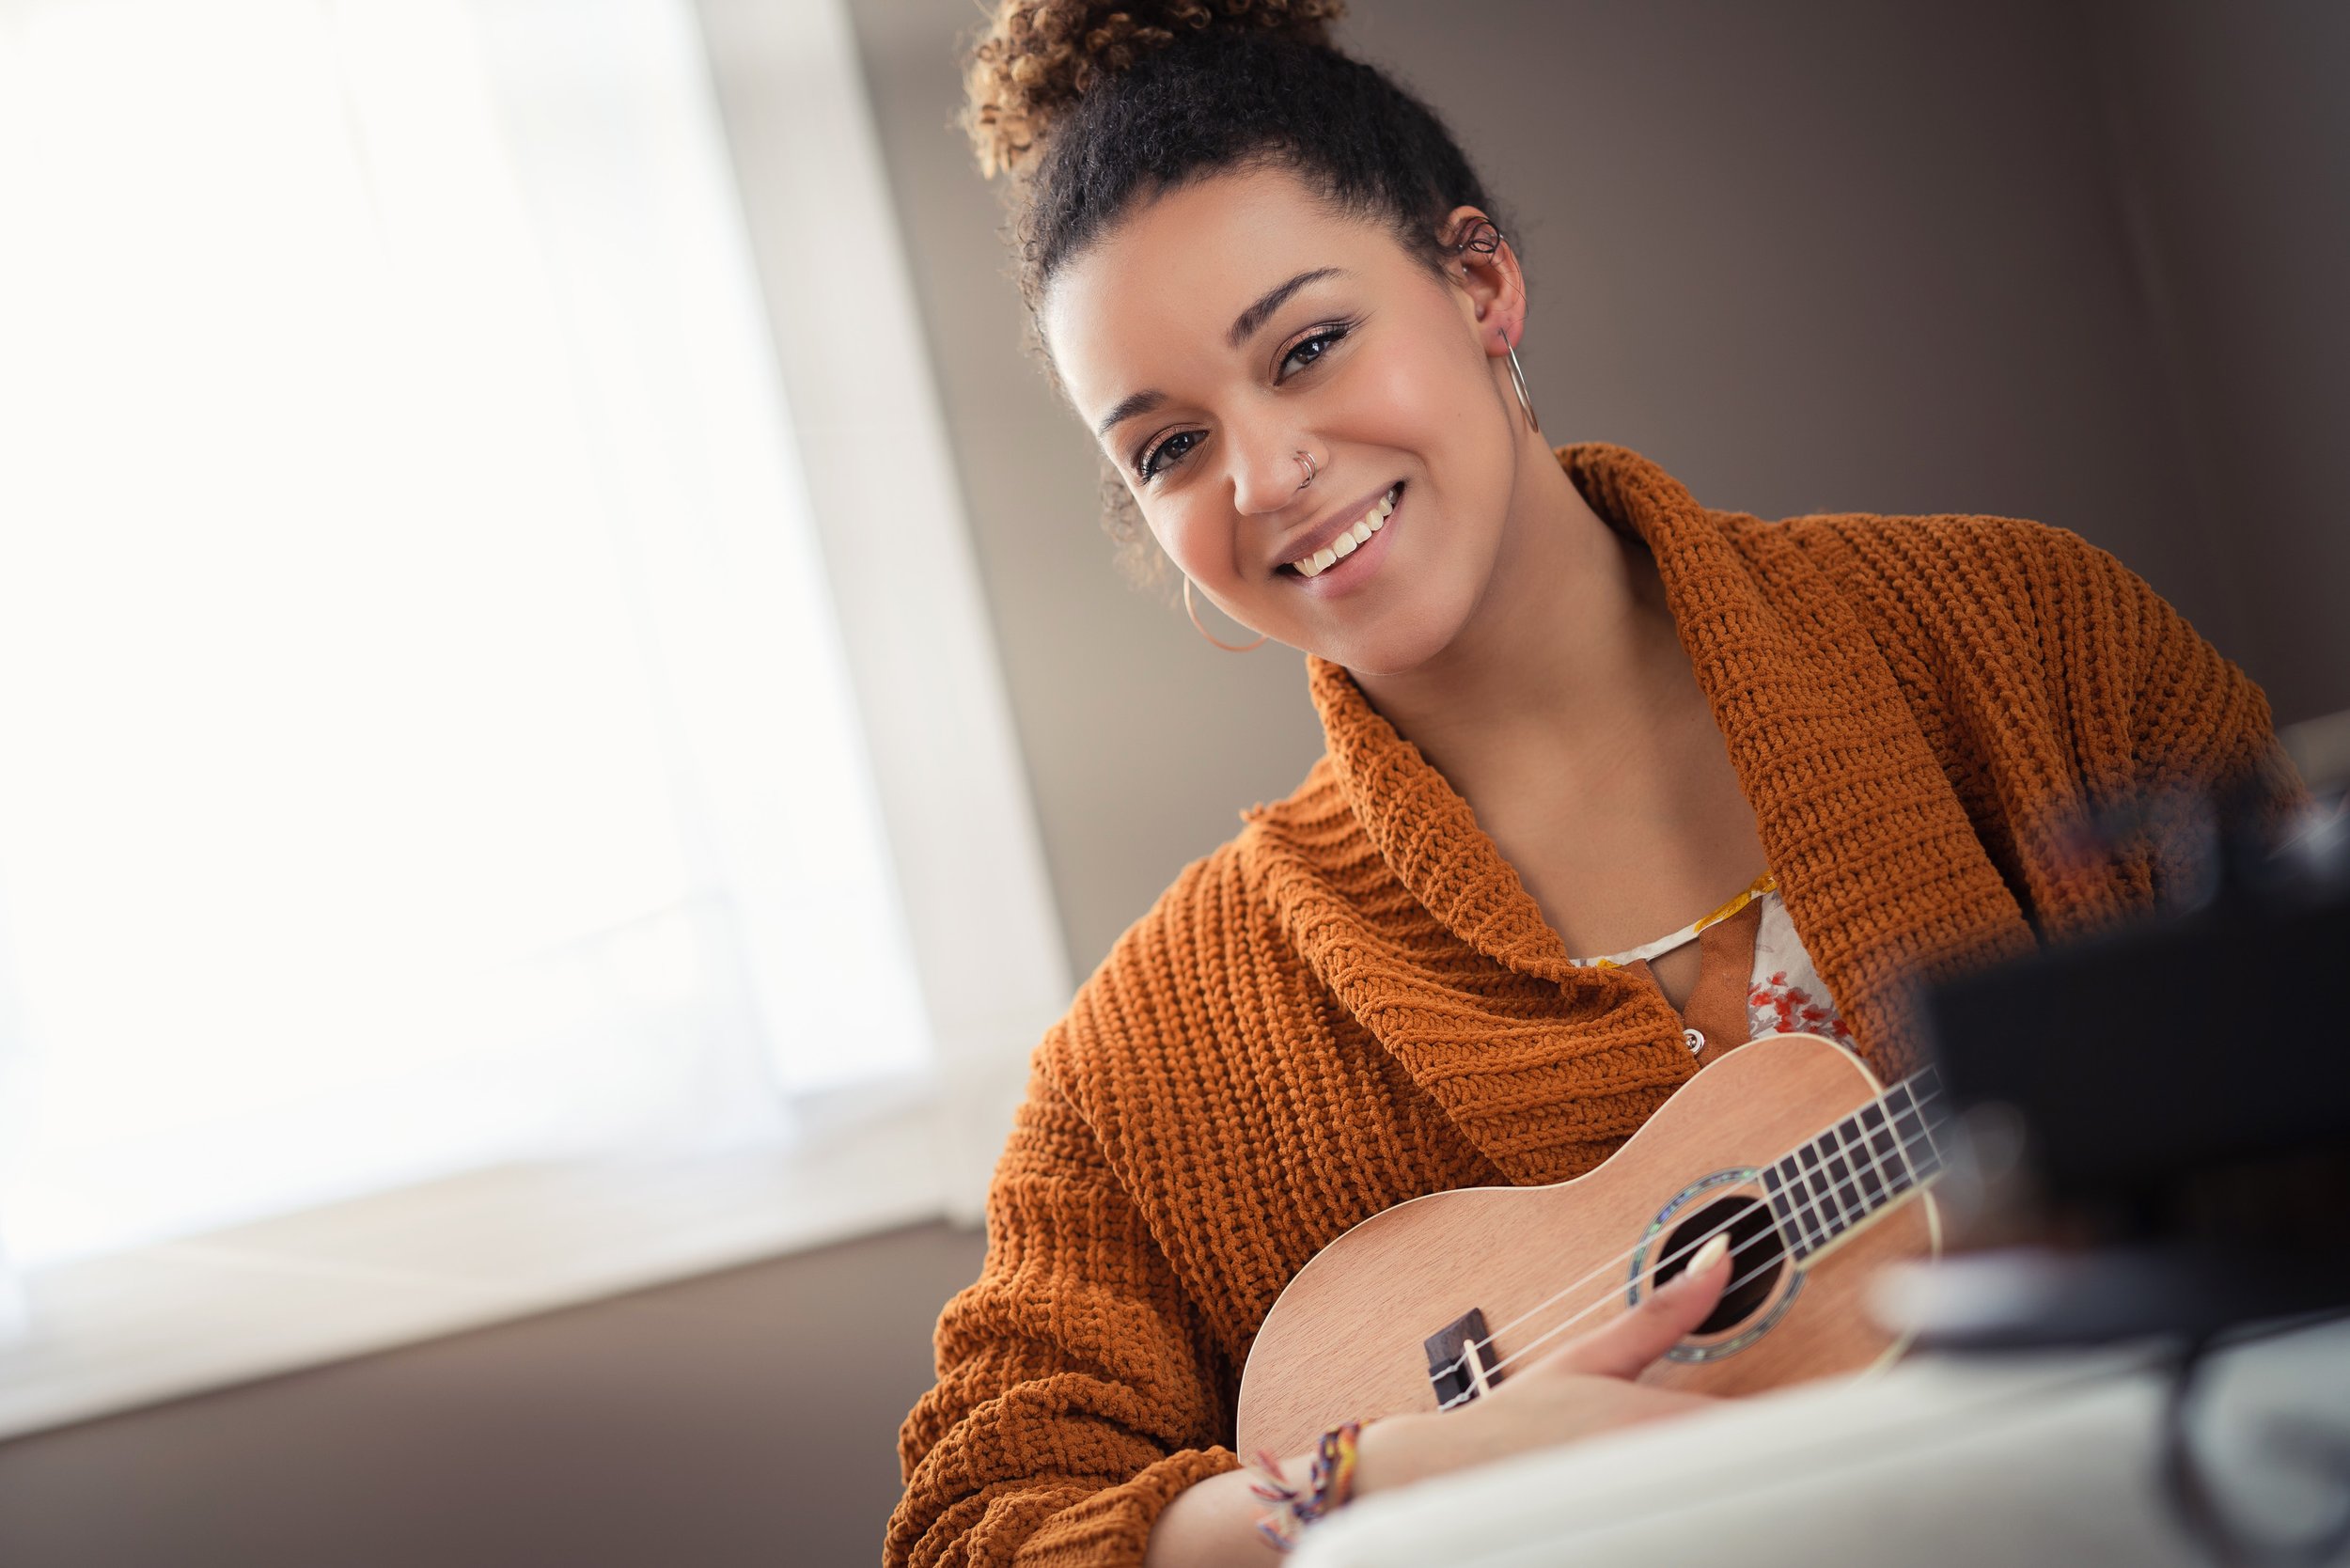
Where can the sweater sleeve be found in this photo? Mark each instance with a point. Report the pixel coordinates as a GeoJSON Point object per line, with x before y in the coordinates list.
{"type": "Point", "coordinates": [2163, 723]}
{"type": "Point", "coordinates": [1076, 1392]}
{"type": "Point", "coordinates": [2064, 695]}
{"type": "Point", "coordinates": [2196, 722]}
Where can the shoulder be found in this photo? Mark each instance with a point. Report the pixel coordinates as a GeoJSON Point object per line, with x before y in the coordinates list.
{"type": "Point", "coordinates": [1953, 560]}
{"type": "Point", "coordinates": [2010, 637]}
{"type": "Point", "coordinates": [1966, 591]}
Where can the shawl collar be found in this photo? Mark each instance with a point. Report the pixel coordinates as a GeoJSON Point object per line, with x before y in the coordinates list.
{"type": "Point", "coordinates": [1406, 910]}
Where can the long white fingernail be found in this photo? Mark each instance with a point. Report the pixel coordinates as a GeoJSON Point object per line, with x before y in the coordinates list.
{"type": "Point", "coordinates": [1710, 1254]}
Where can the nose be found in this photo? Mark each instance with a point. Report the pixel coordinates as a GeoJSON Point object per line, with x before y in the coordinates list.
{"type": "Point", "coordinates": [1266, 474]}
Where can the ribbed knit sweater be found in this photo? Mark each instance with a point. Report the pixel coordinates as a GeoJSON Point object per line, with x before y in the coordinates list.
{"type": "Point", "coordinates": [1354, 1001]}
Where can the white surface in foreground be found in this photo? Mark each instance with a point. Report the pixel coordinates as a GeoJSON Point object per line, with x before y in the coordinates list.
{"type": "Point", "coordinates": [2016, 1461]}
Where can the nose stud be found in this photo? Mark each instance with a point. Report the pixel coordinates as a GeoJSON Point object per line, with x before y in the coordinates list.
{"type": "Point", "coordinates": [1305, 461]}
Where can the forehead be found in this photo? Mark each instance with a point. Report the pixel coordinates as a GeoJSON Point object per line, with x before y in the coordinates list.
{"type": "Point", "coordinates": [1149, 304]}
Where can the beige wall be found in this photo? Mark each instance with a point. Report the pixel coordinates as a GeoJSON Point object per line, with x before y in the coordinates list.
{"type": "Point", "coordinates": [2232, 134]}
{"type": "Point", "coordinates": [1811, 257]}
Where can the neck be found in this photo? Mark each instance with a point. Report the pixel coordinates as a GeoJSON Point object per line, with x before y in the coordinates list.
{"type": "Point", "coordinates": [1567, 657]}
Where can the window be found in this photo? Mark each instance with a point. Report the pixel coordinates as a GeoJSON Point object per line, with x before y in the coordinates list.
{"type": "Point", "coordinates": [435, 749]}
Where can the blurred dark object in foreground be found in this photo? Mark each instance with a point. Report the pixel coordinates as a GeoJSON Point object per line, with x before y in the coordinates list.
{"type": "Point", "coordinates": [2160, 1120]}
{"type": "Point", "coordinates": [2153, 1136]}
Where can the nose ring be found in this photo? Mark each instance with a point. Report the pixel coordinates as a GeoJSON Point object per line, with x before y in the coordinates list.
{"type": "Point", "coordinates": [1305, 461]}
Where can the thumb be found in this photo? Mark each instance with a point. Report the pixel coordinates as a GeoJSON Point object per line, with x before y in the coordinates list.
{"type": "Point", "coordinates": [1661, 1321]}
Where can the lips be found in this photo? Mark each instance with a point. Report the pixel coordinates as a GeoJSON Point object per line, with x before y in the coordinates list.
{"type": "Point", "coordinates": [1361, 567]}
{"type": "Point", "coordinates": [1340, 536]}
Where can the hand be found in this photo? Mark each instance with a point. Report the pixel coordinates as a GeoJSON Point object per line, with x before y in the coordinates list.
{"type": "Point", "coordinates": [1580, 1389]}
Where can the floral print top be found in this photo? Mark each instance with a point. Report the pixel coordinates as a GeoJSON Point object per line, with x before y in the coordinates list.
{"type": "Point", "coordinates": [1784, 993]}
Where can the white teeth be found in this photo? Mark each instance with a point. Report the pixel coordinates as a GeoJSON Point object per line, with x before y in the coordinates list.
{"type": "Point", "coordinates": [1348, 541]}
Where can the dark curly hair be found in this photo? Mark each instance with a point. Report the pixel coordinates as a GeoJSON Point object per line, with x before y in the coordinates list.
{"type": "Point", "coordinates": [1092, 107]}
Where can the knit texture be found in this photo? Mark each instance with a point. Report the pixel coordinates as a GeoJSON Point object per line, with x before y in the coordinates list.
{"type": "Point", "coordinates": [1356, 1001]}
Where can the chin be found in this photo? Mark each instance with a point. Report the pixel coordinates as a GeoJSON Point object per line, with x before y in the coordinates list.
{"type": "Point", "coordinates": [1400, 646]}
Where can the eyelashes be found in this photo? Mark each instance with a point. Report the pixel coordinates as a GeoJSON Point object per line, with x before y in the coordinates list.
{"type": "Point", "coordinates": [1308, 351]}
{"type": "Point", "coordinates": [1148, 466]}
{"type": "Point", "coordinates": [1321, 339]}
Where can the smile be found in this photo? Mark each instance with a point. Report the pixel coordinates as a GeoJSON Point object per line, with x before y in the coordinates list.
{"type": "Point", "coordinates": [1351, 540]}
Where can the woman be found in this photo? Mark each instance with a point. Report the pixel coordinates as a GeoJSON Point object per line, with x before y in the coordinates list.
{"type": "Point", "coordinates": [1766, 772]}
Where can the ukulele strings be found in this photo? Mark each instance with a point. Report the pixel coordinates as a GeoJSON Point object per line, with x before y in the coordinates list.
{"type": "Point", "coordinates": [1925, 1135]}
{"type": "Point", "coordinates": [1769, 1233]}
{"type": "Point", "coordinates": [1569, 1322]}
{"type": "Point", "coordinates": [1535, 1343]}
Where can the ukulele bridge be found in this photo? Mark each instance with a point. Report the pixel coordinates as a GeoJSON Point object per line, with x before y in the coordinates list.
{"type": "Point", "coordinates": [1462, 1363]}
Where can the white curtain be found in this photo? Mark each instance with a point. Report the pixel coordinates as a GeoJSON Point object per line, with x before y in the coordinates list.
{"type": "Point", "coordinates": [428, 738]}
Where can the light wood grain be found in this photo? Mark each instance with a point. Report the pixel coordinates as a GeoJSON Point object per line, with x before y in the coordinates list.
{"type": "Point", "coordinates": [1343, 1342]}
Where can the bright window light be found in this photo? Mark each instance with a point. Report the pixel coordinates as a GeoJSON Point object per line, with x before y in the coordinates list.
{"type": "Point", "coordinates": [428, 742]}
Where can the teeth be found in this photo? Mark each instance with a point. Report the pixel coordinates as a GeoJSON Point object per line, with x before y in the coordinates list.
{"type": "Point", "coordinates": [1348, 541]}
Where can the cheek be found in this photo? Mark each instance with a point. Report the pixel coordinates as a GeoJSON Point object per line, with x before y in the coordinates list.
{"type": "Point", "coordinates": [1197, 536]}
{"type": "Point", "coordinates": [1420, 401]}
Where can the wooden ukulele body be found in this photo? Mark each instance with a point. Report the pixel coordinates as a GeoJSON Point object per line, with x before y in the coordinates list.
{"type": "Point", "coordinates": [1346, 1341]}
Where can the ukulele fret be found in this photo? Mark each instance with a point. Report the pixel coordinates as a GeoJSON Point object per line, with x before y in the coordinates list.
{"type": "Point", "coordinates": [1873, 1158]}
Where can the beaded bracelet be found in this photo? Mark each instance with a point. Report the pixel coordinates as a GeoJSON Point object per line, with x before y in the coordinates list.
{"type": "Point", "coordinates": [1329, 1486]}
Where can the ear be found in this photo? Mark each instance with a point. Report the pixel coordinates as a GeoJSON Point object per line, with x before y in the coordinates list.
{"type": "Point", "coordinates": [1480, 263]}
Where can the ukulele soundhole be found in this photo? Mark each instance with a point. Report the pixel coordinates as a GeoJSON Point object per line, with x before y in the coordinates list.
{"type": "Point", "coordinates": [1757, 1259]}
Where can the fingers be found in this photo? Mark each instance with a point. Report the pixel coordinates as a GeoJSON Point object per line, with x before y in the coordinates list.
{"type": "Point", "coordinates": [1662, 1319]}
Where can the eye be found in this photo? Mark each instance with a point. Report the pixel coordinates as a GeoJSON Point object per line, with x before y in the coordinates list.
{"type": "Point", "coordinates": [1312, 348]}
{"type": "Point", "coordinates": [1166, 454]}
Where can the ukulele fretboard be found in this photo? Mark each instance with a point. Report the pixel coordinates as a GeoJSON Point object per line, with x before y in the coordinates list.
{"type": "Point", "coordinates": [1868, 1161]}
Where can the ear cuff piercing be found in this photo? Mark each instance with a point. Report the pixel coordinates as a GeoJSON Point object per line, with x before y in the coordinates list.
{"type": "Point", "coordinates": [1479, 235]}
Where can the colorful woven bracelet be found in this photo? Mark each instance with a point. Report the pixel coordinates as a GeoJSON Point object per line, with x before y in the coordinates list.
{"type": "Point", "coordinates": [1328, 1486]}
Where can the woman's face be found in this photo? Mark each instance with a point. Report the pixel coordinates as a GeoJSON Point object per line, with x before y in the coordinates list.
{"type": "Point", "coordinates": [1221, 329]}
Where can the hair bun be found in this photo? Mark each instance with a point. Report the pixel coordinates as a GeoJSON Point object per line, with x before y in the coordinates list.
{"type": "Point", "coordinates": [1040, 57]}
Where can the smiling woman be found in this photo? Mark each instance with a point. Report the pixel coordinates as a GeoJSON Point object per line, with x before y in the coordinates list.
{"type": "Point", "coordinates": [1566, 708]}
{"type": "Point", "coordinates": [1384, 373]}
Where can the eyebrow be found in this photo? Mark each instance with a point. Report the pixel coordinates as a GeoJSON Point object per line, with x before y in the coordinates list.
{"type": "Point", "coordinates": [1139, 402]}
{"type": "Point", "coordinates": [1243, 326]}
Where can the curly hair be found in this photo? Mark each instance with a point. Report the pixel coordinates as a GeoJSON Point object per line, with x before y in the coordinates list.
{"type": "Point", "coordinates": [1041, 56]}
{"type": "Point", "coordinates": [1092, 107]}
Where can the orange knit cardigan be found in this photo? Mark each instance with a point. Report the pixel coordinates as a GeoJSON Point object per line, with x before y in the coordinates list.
{"type": "Point", "coordinates": [1354, 1001]}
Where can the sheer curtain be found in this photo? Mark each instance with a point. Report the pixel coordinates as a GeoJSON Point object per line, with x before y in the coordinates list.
{"type": "Point", "coordinates": [430, 739]}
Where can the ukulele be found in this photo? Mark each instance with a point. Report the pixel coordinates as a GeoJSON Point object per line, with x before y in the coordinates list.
{"type": "Point", "coordinates": [1788, 1145]}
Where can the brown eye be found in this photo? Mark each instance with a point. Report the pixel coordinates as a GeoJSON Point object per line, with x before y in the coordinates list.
{"type": "Point", "coordinates": [1166, 453]}
{"type": "Point", "coordinates": [1311, 349]}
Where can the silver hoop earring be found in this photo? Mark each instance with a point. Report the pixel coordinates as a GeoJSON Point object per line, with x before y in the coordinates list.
{"type": "Point", "coordinates": [1198, 625]}
{"type": "Point", "coordinates": [1517, 378]}
{"type": "Point", "coordinates": [1305, 461]}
